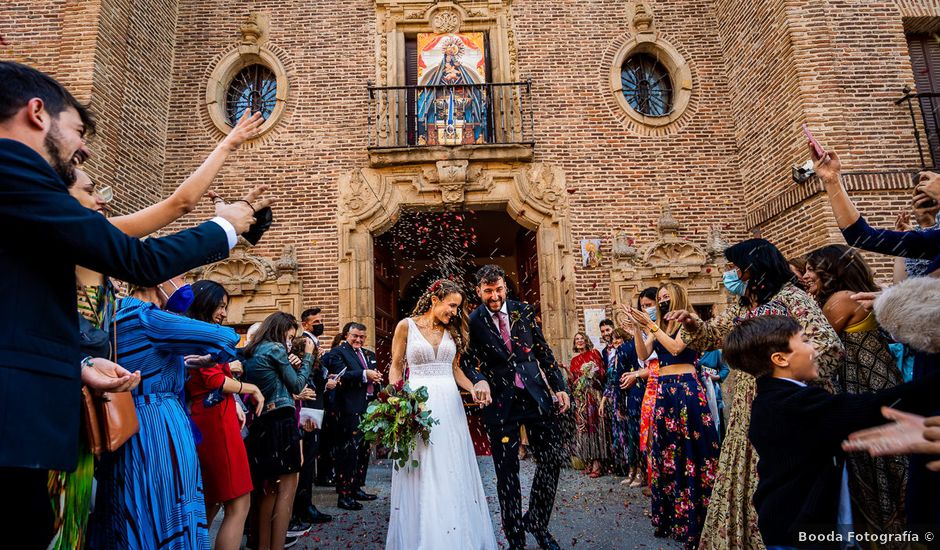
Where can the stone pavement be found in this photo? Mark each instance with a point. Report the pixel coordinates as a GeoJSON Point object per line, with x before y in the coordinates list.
{"type": "Point", "coordinates": [595, 514]}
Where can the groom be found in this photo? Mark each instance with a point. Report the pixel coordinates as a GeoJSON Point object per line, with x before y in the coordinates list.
{"type": "Point", "coordinates": [508, 353]}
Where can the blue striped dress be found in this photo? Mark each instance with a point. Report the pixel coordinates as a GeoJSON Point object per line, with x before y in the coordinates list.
{"type": "Point", "coordinates": [150, 490]}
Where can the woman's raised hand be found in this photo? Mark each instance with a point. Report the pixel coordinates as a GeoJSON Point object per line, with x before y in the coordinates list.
{"type": "Point", "coordinates": [246, 129]}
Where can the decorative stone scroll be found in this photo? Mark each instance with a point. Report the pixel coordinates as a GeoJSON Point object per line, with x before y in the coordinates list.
{"type": "Point", "coordinates": [669, 258]}
{"type": "Point", "coordinates": [256, 286]}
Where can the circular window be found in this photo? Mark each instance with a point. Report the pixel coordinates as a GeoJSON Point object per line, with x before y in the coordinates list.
{"type": "Point", "coordinates": [646, 85]}
{"type": "Point", "coordinates": [253, 88]}
{"type": "Point", "coordinates": [651, 85]}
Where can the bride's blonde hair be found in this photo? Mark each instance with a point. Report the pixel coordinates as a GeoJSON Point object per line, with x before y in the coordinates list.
{"type": "Point", "coordinates": [457, 326]}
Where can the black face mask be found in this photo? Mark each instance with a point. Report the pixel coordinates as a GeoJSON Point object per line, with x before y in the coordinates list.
{"type": "Point", "coordinates": [664, 306]}
{"type": "Point", "coordinates": [317, 330]}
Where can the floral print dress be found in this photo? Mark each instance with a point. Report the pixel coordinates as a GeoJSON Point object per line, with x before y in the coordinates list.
{"type": "Point", "coordinates": [732, 519]}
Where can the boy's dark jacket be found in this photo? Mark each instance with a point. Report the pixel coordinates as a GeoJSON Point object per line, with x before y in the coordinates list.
{"type": "Point", "coordinates": [797, 433]}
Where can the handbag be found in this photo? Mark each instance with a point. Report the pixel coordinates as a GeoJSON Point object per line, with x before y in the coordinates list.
{"type": "Point", "coordinates": [110, 418]}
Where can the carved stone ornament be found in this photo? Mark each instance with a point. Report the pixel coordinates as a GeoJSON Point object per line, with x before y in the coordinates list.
{"type": "Point", "coordinates": [445, 20]}
{"type": "Point", "coordinates": [359, 192]}
{"type": "Point", "coordinates": [545, 184]}
{"type": "Point", "coordinates": [623, 247]}
{"type": "Point", "coordinates": [672, 256]}
{"type": "Point", "coordinates": [241, 272]}
{"type": "Point", "coordinates": [642, 18]}
{"type": "Point", "coordinates": [716, 244]}
{"type": "Point", "coordinates": [251, 31]}
{"type": "Point", "coordinates": [256, 286]}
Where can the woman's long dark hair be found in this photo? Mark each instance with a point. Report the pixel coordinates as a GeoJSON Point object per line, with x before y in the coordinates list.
{"type": "Point", "coordinates": [839, 267]}
{"type": "Point", "coordinates": [208, 297]}
{"type": "Point", "coordinates": [442, 288]}
{"type": "Point", "coordinates": [766, 267]}
{"type": "Point", "coordinates": [273, 329]}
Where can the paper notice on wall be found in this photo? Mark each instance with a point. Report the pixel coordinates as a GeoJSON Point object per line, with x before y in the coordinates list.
{"type": "Point", "coordinates": [592, 321]}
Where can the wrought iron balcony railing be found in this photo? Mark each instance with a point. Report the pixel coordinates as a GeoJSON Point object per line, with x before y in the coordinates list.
{"type": "Point", "coordinates": [929, 103]}
{"type": "Point", "coordinates": [450, 115]}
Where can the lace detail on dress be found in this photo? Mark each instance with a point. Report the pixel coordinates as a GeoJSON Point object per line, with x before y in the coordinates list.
{"type": "Point", "coordinates": [420, 355]}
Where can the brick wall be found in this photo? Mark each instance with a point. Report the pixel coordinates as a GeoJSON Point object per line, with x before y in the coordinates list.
{"type": "Point", "coordinates": [760, 69]}
{"type": "Point", "coordinates": [622, 177]}
{"type": "Point", "coordinates": [323, 136]}
{"type": "Point", "coordinates": [117, 56]}
{"type": "Point", "coordinates": [838, 67]}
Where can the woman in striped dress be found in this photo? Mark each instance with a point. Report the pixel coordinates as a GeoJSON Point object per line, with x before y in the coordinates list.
{"type": "Point", "coordinates": [150, 491]}
{"type": "Point", "coordinates": [70, 492]}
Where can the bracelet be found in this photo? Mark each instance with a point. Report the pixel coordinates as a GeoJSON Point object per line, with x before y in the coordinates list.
{"type": "Point", "coordinates": [653, 328]}
{"type": "Point", "coordinates": [240, 386]}
{"type": "Point", "coordinates": [246, 202]}
{"type": "Point", "coordinates": [88, 361]}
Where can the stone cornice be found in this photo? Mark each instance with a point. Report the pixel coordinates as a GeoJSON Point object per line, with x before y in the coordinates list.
{"type": "Point", "coordinates": [895, 180]}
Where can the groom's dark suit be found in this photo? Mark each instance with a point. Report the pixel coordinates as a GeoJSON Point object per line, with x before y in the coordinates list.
{"type": "Point", "coordinates": [488, 358]}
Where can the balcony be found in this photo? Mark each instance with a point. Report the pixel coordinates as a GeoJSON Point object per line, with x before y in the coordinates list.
{"type": "Point", "coordinates": [929, 104]}
{"type": "Point", "coordinates": [414, 124]}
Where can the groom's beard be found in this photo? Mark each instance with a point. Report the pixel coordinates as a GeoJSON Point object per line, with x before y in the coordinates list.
{"type": "Point", "coordinates": [494, 305]}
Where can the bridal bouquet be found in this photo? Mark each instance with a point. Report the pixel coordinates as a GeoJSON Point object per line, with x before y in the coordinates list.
{"type": "Point", "coordinates": [589, 378]}
{"type": "Point", "coordinates": [396, 419]}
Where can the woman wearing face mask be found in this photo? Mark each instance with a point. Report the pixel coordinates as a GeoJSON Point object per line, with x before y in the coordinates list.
{"type": "Point", "coordinates": [876, 485]}
{"type": "Point", "coordinates": [762, 280]}
{"type": "Point", "coordinates": [70, 492]}
{"type": "Point", "coordinates": [222, 457]}
{"type": "Point", "coordinates": [649, 373]}
{"type": "Point", "coordinates": [683, 447]}
{"type": "Point", "coordinates": [151, 488]}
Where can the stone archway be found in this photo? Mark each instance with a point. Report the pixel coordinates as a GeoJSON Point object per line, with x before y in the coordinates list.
{"type": "Point", "coordinates": [533, 195]}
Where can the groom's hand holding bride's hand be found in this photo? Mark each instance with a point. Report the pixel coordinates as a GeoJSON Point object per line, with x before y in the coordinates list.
{"type": "Point", "coordinates": [481, 393]}
{"type": "Point", "coordinates": [563, 401]}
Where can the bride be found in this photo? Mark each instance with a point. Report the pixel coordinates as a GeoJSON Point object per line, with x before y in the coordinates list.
{"type": "Point", "coordinates": [440, 504]}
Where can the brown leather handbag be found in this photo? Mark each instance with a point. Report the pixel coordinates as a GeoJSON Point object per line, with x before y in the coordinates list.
{"type": "Point", "coordinates": [110, 418]}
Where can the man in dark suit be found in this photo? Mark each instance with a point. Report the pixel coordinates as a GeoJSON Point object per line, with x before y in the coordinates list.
{"type": "Point", "coordinates": [350, 400]}
{"type": "Point", "coordinates": [509, 362]}
{"type": "Point", "coordinates": [44, 234]}
{"type": "Point", "coordinates": [304, 511]}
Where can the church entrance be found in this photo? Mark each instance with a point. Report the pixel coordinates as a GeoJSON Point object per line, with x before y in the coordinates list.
{"type": "Point", "coordinates": [425, 246]}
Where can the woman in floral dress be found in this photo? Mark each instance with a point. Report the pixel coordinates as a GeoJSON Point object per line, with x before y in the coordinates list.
{"type": "Point", "coordinates": [760, 275]}
{"type": "Point", "coordinates": [683, 448]}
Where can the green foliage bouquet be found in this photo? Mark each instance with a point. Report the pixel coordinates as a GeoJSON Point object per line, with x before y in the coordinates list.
{"type": "Point", "coordinates": [396, 419]}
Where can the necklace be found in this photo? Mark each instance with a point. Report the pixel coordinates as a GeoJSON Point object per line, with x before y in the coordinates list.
{"type": "Point", "coordinates": [436, 327]}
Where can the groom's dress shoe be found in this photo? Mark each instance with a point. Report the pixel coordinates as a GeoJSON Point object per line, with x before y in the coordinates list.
{"type": "Point", "coordinates": [362, 495]}
{"type": "Point", "coordinates": [546, 541]}
{"type": "Point", "coordinates": [348, 503]}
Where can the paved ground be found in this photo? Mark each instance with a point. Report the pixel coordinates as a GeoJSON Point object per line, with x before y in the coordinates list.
{"type": "Point", "coordinates": [593, 514]}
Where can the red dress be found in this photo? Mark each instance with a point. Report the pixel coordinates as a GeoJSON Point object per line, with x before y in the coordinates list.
{"type": "Point", "coordinates": [222, 456]}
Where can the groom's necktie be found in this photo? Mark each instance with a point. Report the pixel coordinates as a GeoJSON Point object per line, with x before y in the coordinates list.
{"type": "Point", "coordinates": [369, 387]}
{"type": "Point", "coordinates": [504, 332]}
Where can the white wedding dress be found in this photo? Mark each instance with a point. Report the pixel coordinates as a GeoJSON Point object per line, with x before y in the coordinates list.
{"type": "Point", "coordinates": [440, 505]}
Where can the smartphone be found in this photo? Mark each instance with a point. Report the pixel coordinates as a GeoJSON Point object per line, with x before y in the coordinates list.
{"type": "Point", "coordinates": [820, 152]}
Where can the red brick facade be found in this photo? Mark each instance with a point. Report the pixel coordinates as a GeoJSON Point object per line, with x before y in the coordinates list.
{"type": "Point", "coordinates": [759, 70]}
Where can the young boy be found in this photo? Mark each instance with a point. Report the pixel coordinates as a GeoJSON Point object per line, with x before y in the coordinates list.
{"type": "Point", "coordinates": [797, 430]}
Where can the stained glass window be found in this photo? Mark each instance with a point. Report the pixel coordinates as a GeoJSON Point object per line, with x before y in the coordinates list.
{"type": "Point", "coordinates": [255, 88]}
{"type": "Point", "coordinates": [646, 85]}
